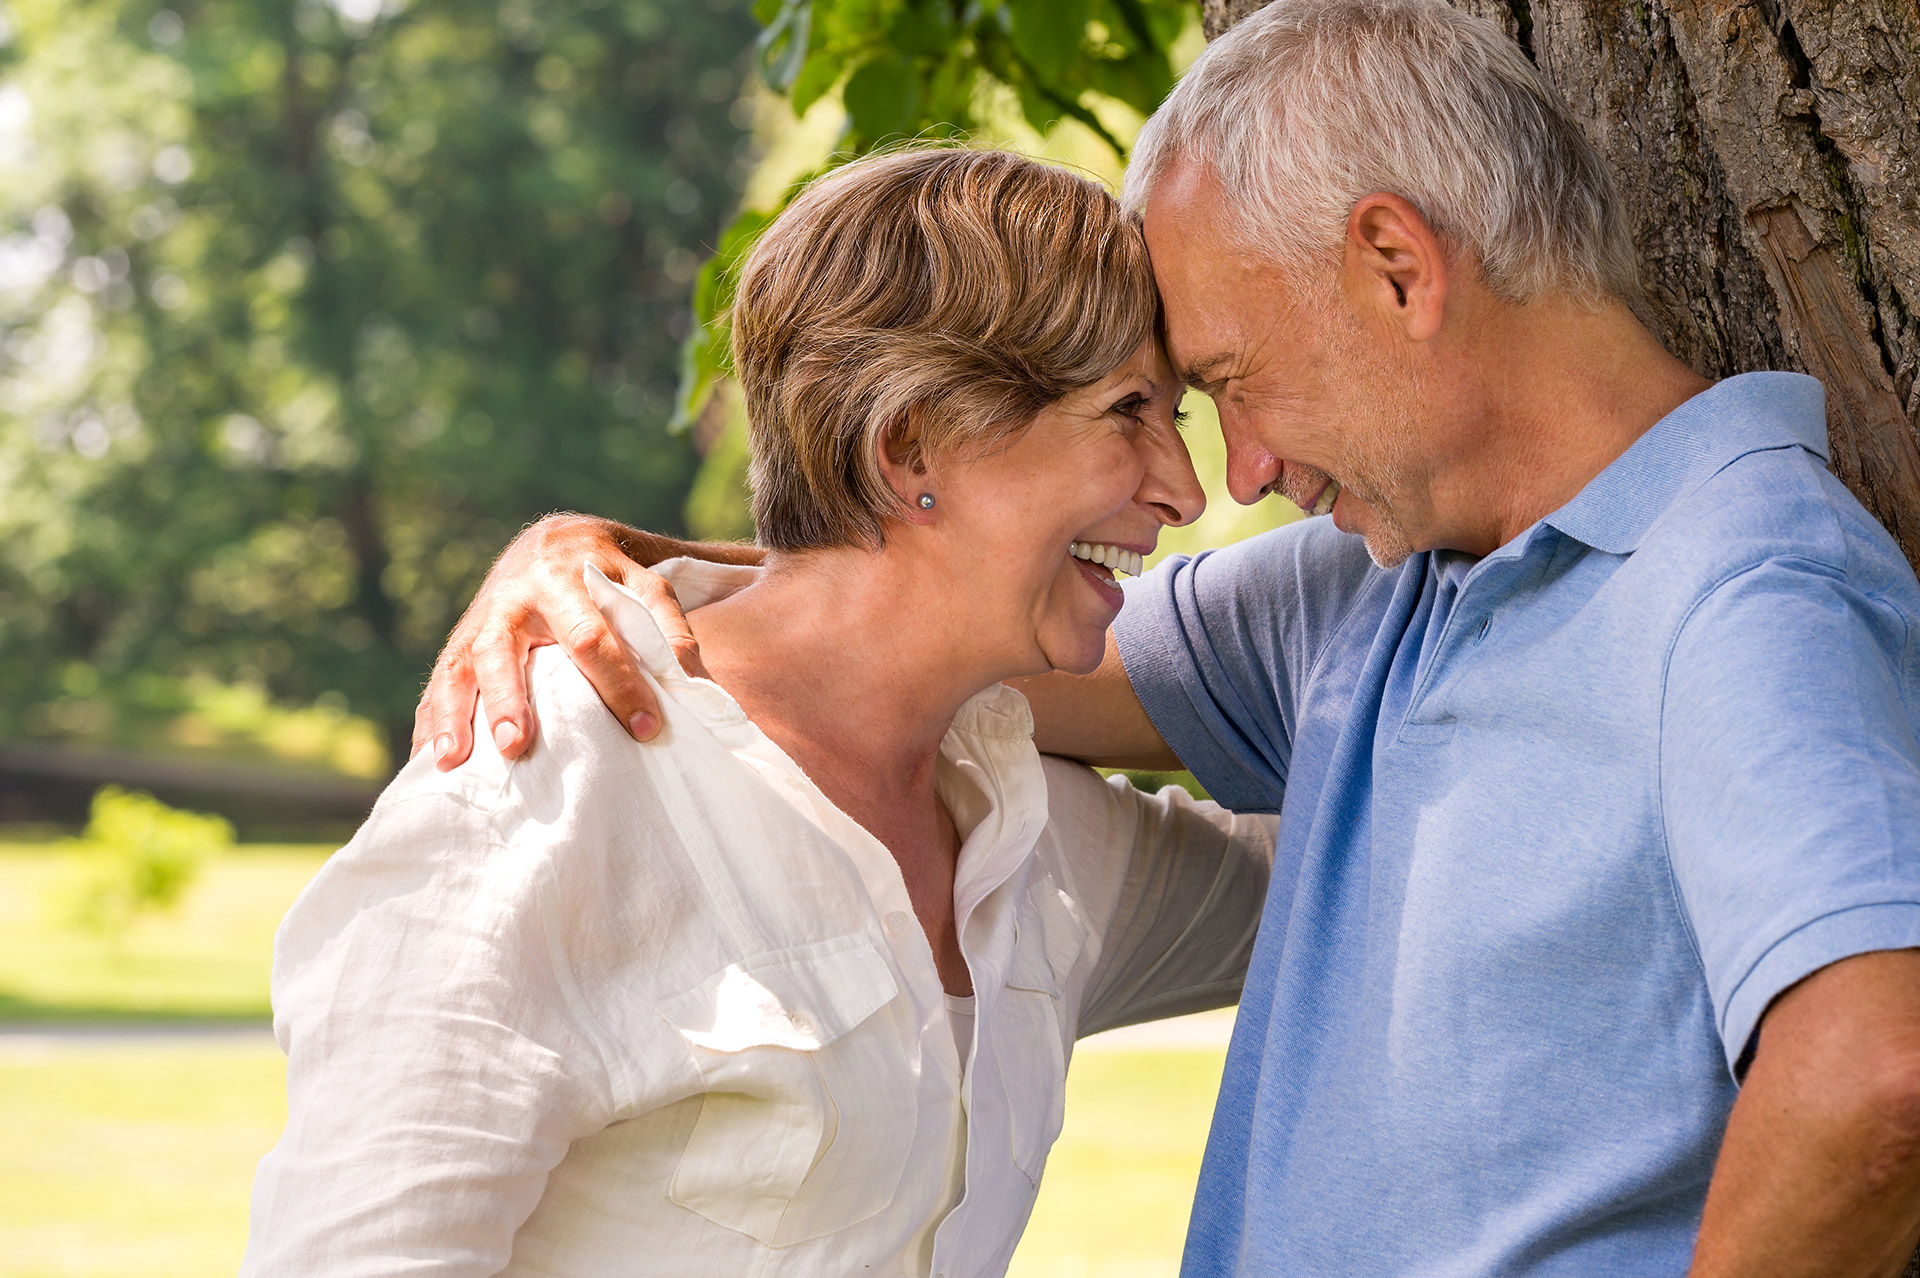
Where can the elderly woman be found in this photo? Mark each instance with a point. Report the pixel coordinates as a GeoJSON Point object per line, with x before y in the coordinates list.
{"type": "Point", "coordinates": [792, 989]}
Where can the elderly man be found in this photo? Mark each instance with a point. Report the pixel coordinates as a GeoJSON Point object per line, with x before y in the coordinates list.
{"type": "Point", "coordinates": [1591, 718]}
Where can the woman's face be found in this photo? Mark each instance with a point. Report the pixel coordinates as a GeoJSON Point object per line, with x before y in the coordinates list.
{"type": "Point", "coordinates": [1099, 472]}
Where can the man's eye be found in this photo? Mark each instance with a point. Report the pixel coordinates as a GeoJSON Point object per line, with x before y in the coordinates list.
{"type": "Point", "coordinates": [1181, 417]}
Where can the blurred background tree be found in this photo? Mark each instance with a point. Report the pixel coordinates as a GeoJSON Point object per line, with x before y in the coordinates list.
{"type": "Point", "coordinates": [305, 308]}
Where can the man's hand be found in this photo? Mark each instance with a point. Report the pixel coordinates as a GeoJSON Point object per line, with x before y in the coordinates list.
{"type": "Point", "coordinates": [1819, 1173]}
{"type": "Point", "coordinates": [534, 596]}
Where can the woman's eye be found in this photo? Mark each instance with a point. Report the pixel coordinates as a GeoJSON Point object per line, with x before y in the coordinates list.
{"type": "Point", "coordinates": [1131, 407]}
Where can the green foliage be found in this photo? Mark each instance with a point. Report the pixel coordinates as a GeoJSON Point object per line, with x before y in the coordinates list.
{"type": "Point", "coordinates": [136, 856]}
{"type": "Point", "coordinates": [931, 69]}
{"type": "Point", "coordinates": [306, 307]}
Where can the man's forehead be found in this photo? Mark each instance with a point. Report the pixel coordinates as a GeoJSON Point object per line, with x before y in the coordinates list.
{"type": "Point", "coordinates": [1204, 370]}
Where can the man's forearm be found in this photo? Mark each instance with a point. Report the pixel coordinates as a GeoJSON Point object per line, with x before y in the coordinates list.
{"type": "Point", "coordinates": [648, 549]}
{"type": "Point", "coordinates": [1819, 1173]}
{"type": "Point", "coordinates": [1096, 718]}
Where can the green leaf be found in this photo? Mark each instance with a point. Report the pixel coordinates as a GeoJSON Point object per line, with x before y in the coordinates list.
{"type": "Point", "coordinates": [1141, 81]}
{"type": "Point", "coordinates": [782, 47]}
{"type": "Point", "coordinates": [923, 27]}
{"type": "Point", "coordinates": [882, 97]}
{"type": "Point", "coordinates": [1048, 33]}
{"type": "Point", "coordinates": [815, 80]}
{"type": "Point", "coordinates": [704, 355]}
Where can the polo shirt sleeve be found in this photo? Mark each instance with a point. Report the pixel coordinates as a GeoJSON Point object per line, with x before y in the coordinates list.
{"type": "Point", "coordinates": [1790, 781]}
{"type": "Point", "coordinates": [1217, 645]}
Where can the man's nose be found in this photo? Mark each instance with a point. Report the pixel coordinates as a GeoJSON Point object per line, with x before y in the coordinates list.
{"type": "Point", "coordinates": [1252, 471]}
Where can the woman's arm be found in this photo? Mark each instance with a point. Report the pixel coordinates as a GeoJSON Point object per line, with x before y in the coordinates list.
{"type": "Point", "coordinates": [1185, 883]}
{"type": "Point", "coordinates": [436, 1069]}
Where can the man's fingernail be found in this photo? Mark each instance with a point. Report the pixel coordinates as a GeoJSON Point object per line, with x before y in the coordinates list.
{"type": "Point", "coordinates": [505, 733]}
{"type": "Point", "coordinates": [642, 725]}
{"type": "Point", "coordinates": [442, 746]}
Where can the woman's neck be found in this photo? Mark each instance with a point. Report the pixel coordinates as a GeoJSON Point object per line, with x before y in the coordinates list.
{"type": "Point", "coordinates": [855, 663]}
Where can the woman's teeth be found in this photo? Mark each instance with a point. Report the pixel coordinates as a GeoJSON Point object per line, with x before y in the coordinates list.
{"type": "Point", "coordinates": [1117, 558]}
{"type": "Point", "coordinates": [1325, 505]}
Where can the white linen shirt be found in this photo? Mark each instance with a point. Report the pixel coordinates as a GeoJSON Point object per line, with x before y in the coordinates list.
{"type": "Point", "coordinates": [664, 1010]}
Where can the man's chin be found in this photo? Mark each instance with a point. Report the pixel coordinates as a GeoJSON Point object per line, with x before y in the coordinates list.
{"type": "Point", "coordinates": [1386, 552]}
{"type": "Point", "coordinates": [1387, 545]}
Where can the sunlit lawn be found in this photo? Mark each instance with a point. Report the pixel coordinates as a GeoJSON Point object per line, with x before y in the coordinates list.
{"type": "Point", "coordinates": [209, 959]}
{"type": "Point", "coordinates": [132, 1157]}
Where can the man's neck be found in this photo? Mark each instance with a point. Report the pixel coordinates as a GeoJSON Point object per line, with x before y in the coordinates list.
{"type": "Point", "coordinates": [1564, 391]}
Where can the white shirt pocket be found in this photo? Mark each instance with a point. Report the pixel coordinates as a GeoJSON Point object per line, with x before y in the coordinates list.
{"type": "Point", "coordinates": [811, 1101]}
{"type": "Point", "coordinates": [1029, 1043]}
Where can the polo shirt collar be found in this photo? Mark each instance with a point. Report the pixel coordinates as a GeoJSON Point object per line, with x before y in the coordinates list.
{"type": "Point", "coordinates": [1688, 446]}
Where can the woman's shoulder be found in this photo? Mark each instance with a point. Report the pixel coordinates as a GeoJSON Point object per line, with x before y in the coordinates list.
{"type": "Point", "coordinates": [579, 821]}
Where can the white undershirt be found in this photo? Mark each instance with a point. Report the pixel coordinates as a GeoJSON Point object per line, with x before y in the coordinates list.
{"type": "Point", "coordinates": [960, 1014]}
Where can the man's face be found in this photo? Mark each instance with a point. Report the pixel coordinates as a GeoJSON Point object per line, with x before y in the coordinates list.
{"type": "Point", "coordinates": [1313, 401]}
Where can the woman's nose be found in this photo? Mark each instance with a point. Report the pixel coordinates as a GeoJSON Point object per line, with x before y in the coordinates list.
{"type": "Point", "coordinates": [1170, 487]}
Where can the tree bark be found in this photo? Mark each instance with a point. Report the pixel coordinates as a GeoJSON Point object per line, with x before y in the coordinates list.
{"type": "Point", "coordinates": [1769, 153]}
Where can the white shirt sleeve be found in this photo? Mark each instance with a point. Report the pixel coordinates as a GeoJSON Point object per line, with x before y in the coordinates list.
{"type": "Point", "coordinates": [1187, 880]}
{"type": "Point", "coordinates": [438, 1065]}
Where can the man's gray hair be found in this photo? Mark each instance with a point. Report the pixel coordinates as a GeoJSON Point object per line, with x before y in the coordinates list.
{"type": "Point", "coordinates": [1309, 105]}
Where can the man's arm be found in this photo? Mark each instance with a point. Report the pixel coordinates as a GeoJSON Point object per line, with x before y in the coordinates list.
{"type": "Point", "coordinates": [534, 596]}
{"type": "Point", "coordinates": [1819, 1173]}
{"type": "Point", "coordinates": [1096, 718]}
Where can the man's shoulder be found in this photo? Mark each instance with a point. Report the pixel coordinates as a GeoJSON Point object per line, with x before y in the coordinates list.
{"type": "Point", "coordinates": [1305, 576]}
{"type": "Point", "coordinates": [1311, 550]}
{"type": "Point", "coordinates": [1778, 506]}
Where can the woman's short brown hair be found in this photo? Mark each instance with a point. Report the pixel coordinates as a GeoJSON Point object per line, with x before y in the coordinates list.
{"type": "Point", "coordinates": [970, 288]}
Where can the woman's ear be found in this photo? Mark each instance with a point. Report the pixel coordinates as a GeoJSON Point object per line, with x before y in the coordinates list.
{"type": "Point", "coordinates": [903, 463]}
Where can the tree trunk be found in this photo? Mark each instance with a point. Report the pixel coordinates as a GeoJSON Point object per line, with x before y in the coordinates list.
{"type": "Point", "coordinates": [1769, 153]}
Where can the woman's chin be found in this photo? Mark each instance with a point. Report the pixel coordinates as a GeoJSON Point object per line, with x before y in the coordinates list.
{"type": "Point", "coordinates": [1081, 655]}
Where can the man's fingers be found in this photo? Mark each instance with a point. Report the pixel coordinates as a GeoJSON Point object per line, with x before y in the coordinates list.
{"type": "Point", "coordinates": [443, 721]}
{"type": "Point", "coordinates": [657, 594]}
{"type": "Point", "coordinates": [500, 670]}
{"type": "Point", "coordinates": [601, 656]}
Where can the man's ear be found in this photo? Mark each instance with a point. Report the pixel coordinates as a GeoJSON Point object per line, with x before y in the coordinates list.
{"type": "Point", "coordinates": [1396, 265]}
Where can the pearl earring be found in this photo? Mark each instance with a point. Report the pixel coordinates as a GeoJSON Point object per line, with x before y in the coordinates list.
{"type": "Point", "coordinates": [926, 501]}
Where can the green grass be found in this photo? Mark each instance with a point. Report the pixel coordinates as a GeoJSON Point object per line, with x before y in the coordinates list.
{"type": "Point", "coordinates": [1119, 1186]}
{"type": "Point", "coordinates": [132, 1161]}
{"type": "Point", "coordinates": [208, 960]}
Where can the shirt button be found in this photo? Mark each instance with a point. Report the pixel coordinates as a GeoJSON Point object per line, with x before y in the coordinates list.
{"type": "Point", "coordinates": [896, 923]}
{"type": "Point", "coordinates": [801, 1025]}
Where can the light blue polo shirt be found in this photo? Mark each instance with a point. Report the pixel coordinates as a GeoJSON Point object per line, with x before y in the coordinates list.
{"type": "Point", "coordinates": [1556, 826]}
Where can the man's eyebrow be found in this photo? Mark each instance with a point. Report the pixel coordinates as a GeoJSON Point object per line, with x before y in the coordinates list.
{"type": "Point", "coordinates": [1204, 372]}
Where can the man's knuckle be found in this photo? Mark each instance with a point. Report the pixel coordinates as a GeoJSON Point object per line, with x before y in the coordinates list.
{"type": "Point", "coordinates": [588, 634]}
